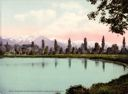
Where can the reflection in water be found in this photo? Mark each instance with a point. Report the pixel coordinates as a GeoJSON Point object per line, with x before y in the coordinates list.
{"type": "Point", "coordinates": [97, 62]}
{"type": "Point", "coordinates": [124, 67]}
{"type": "Point", "coordinates": [55, 74]}
{"type": "Point", "coordinates": [56, 63]}
{"type": "Point", "coordinates": [43, 64]}
{"type": "Point", "coordinates": [32, 64]}
{"type": "Point", "coordinates": [103, 65]}
{"type": "Point", "coordinates": [69, 62]}
{"type": "Point", "coordinates": [84, 61]}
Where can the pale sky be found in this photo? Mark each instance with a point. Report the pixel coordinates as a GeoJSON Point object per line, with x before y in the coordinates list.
{"type": "Point", "coordinates": [54, 19]}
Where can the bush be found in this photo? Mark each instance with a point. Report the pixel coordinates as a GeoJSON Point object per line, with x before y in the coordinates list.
{"type": "Point", "coordinates": [104, 90]}
{"type": "Point", "coordinates": [78, 89]}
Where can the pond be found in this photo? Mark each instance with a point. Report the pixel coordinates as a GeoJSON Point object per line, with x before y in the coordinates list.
{"type": "Point", "coordinates": [51, 75]}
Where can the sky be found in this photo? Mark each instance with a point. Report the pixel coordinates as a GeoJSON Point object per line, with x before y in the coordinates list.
{"type": "Point", "coordinates": [54, 19]}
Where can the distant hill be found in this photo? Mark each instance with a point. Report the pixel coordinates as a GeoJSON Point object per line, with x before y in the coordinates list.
{"type": "Point", "coordinates": [37, 41]}
{"type": "Point", "coordinates": [10, 41]}
{"type": "Point", "coordinates": [48, 42]}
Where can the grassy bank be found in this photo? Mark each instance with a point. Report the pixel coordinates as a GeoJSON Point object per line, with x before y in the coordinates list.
{"type": "Point", "coordinates": [116, 86]}
{"type": "Point", "coordinates": [112, 57]}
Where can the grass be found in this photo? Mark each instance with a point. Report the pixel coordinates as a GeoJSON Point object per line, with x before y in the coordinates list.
{"type": "Point", "coordinates": [116, 86]}
{"type": "Point", "coordinates": [112, 57]}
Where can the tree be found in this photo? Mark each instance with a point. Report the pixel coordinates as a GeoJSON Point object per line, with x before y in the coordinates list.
{"type": "Point", "coordinates": [55, 46]}
{"type": "Point", "coordinates": [2, 49]}
{"type": "Point", "coordinates": [85, 44]}
{"type": "Point", "coordinates": [124, 43]}
{"type": "Point", "coordinates": [32, 44]}
{"type": "Point", "coordinates": [61, 51]}
{"type": "Point", "coordinates": [123, 49]}
{"type": "Point", "coordinates": [103, 43]}
{"type": "Point", "coordinates": [73, 50]}
{"type": "Point", "coordinates": [112, 12]}
{"type": "Point", "coordinates": [79, 51]}
{"type": "Point", "coordinates": [43, 44]}
{"type": "Point", "coordinates": [96, 48]}
{"type": "Point", "coordinates": [46, 50]}
{"type": "Point", "coordinates": [69, 46]}
{"type": "Point", "coordinates": [7, 47]}
{"type": "Point", "coordinates": [115, 49]}
{"type": "Point", "coordinates": [51, 51]}
{"type": "Point", "coordinates": [82, 48]}
{"type": "Point", "coordinates": [1, 42]}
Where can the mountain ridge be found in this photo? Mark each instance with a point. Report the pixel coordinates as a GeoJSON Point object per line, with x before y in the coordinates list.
{"type": "Point", "coordinates": [37, 41]}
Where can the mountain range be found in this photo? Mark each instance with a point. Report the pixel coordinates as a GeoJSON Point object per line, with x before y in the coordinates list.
{"type": "Point", "coordinates": [48, 42]}
{"type": "Point", "coordinates": [36, 40]}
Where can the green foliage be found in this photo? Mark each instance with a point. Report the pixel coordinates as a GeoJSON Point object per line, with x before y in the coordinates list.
{"type": "Point", "coordinates": [78, 89]}
{"type": "Point", "coordinates": [46, 50]}
{"type": "Point", "coordinates": [112, 12]}
{"type": "Point", "coordinates": [1, 53]}
{"type": "Point", "coordinates": [104, 90]}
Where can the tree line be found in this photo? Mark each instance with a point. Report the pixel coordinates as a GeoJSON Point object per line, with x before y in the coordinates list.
{"type": "Point", "coordinates": [33, 49]}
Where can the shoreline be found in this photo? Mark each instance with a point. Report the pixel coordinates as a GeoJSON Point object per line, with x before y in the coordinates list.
{"type": "Point", "coordinates": [111, 57]}
{"type": "Point", "coordinates": [116, 86]}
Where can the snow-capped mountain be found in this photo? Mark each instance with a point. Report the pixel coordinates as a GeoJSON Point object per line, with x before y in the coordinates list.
{"type": "Point", "coordinates": [28, 40]}
{"type": "Point", "coordinates": [48, 42]}
{"type": "Point", "coordinates": [9, 40]}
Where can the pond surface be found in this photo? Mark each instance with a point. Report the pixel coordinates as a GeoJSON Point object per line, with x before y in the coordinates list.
{"type": "Point", "coordinates": [51, 75]}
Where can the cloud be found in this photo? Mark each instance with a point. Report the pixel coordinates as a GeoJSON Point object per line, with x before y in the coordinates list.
{"type": "Point", "coordinates": [68, 5]}
{"type": "Point", "coordinates": [64, 24]}
{"type": "Point", "coordinates": [51, 13]}
{"type": "Point", "coordinates": [37, 15]}
{"type": "Point", "coordinates": [68, 24]}
{"type": "Point", "coordinates": [69, 20]}
{"type": "Point", "coordinates": [20, 17]}
{"type": "Point", "coordinates": [43, 14]}
{"type": "Point", "coordinates": [54, 22]}
{"type": "Point", "coordinates": [71, 5]}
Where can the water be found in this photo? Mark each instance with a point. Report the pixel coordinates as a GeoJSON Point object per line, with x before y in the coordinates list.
{"type": "Point", "coordinates": [51, 75]}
